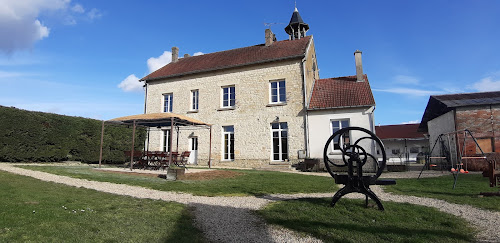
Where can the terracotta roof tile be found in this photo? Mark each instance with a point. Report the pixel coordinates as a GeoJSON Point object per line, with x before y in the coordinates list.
{"type": "Point", "coordinates": [279, 50]}
{"type": "Point", "coordinates": [341, 92]}
{"type": "Point", "coordinates": [399, 131]}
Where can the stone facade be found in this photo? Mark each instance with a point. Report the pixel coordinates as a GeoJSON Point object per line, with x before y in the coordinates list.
{"type": "Point", "coordinates": [251, 116]}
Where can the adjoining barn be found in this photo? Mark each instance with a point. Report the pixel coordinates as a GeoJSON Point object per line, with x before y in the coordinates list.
{"type": "Point", "coordinates": [453, 113]}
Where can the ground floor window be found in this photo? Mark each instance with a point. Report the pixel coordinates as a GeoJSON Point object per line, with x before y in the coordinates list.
{"type": "Point", "coordinates": [228, 137]}
{"type": "Point", "coordinates": [337, 125]}
{"type": "Point", "coordinates": [166, 140]}
{"type": "Point", "coordinates": [280, 141]}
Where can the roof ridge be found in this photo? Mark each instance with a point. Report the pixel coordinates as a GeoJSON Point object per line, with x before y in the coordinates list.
{"type": "Point", "coordinates": [482, 92]}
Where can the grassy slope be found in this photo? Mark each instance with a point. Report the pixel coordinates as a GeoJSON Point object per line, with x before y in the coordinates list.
{"type": "Point", "coordinates": [32, 210]}
{"type": "Point", "coordinates": [466, 192]}
{"type": "Point", "coordinates": [251, 183]}
{"type": "Point", "coordinates": [349, 221]}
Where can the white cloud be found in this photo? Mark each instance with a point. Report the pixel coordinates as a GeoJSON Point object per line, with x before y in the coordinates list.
{"type": "Point", "coordinates": [94, 14]}
{"type": "Point", "coordinates": [411, 122]}
{"type": "Point", "coordinates": [131, 84]}
{"type": "Point", "coordinates": [404, 79]}
{"type": "Point", "coordinates": [487, 84]}
{"type": "Point", "coordinates": [78, 8]}
{"type": "Point", "coordinates": [408, 91]}
{"type": "Point", "coordinates": [154, 63]}
{"type": "Point", "coordinates": [20, 27]}
{"type": "Point", "coordinates": [198, 53]}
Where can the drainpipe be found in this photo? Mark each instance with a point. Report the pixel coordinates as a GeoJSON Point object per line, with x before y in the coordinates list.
{"type": "Point", "coordinates": [306, 117]}
{"type": "Point", "coordinates": [145, 96]}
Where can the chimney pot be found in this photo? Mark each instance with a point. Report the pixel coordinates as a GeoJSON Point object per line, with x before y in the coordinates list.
{"type": "Point", "coordinates": [270, 37]}
{"type": "Point", "coordinates": [359, 66]}
{"type": "Point", "coordinates": [175, 54]}
{"type": "Point", "coordinates": [186, 55]}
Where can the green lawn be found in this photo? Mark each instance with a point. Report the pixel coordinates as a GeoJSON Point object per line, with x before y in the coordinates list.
{"type": "Point", "coordinates": [466, 192]}
{"type": "Point", "coordinates": [35, 211]}
{"type": "Point", "coordinates": [252, 182]}
{"type": "Point", "coordinates": [350, 221]}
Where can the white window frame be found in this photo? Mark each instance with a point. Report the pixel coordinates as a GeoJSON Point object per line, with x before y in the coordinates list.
{"type": "Point", "coordinates": [195, 99]}
{"type": "Point", "coordinates": [226, 154]}
{"type": "Point", "coordinates": [279, 130]}
{"type": "Point", "coordinates": [223, 92]}
{"type": "Point", "coordinates": [168, 100]}
{"type": "Point", "coordinates": [332, 131]}
{"type": "Point", "coordinates": [165, 140]}
{"type": "Point", "coordinates": [278, 92]}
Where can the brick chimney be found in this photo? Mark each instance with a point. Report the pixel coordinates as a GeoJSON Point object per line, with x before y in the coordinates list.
{"type": "Point", "coordinates": [359, 66]}
{"type": "Point", "coordinates": [270, 37]}
{"type": "Point", "coordinates": [175, 54]}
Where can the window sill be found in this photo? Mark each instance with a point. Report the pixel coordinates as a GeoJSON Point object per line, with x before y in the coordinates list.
{"type": "Point", "coordinates": [193, 111]}
{"type": "Point", "coordinates": [276, 104]}
{"type": "Point", "coordinates": [226, 108]}
{"type": "Point", "coordinates": [227, 161]}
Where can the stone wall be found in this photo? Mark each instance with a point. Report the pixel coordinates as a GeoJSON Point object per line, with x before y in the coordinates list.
{"type": "Point", "coordinates": [251, 117]}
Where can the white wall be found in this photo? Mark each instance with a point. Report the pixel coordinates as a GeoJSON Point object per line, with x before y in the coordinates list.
{"type": "Point", "coordinates": [320, 127]}
{"type": "Point", "coordinates": [441, 125]}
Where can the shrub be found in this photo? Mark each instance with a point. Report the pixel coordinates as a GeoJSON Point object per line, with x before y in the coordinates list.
{"type": "Point", "coordinates": [46, 137]}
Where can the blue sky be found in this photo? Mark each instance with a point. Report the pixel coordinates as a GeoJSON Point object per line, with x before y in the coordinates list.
{"type": "Point", "coordinates": [70, 57]}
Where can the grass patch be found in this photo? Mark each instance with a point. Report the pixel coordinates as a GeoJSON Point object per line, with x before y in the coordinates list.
{"type": "Point", "coordinates": [35, 211]}
{"type": "Point", "coordinates": [466, 192]}
{"type": "Point", "coordinates": [252, 182]}
{"type": "Point", "coordinates": [350, 221]}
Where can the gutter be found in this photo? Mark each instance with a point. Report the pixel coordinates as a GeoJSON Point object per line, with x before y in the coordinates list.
{"type": "Point", "coordinates": [340, 107]}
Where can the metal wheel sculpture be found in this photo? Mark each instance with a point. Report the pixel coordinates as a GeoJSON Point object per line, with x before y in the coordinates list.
{"type": "Point", "coordinates": [355, 157]}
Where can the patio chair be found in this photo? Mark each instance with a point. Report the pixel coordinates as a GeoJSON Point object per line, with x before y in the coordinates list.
{"type": "Point", "coordinates": [182, 161]}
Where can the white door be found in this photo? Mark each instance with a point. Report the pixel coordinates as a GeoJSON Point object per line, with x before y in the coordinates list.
{"type": "Point", "coordinates": [193, 146]}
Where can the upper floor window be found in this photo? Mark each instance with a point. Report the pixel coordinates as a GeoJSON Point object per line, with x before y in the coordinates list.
{"type": "Point", "coordinates": [337, 125]}
{"type": "Point", "coordinates": [167, 102]}
{"type": "Point", "coordinates": [228, 96]}
{"type": "Point", "coordinates": [194, 99]}
{"type": "Point", "coordinates": [278, 91]}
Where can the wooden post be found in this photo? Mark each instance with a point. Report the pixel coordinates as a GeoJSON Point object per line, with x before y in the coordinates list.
{"type": "Point", "coordinates": [210, 149]}
{"type": "Point", "coordinates": [132, 151]}
{"type": "Point", "coordinates": [170, 141]}
{"type": "Point", "coordinates": [102, 141]}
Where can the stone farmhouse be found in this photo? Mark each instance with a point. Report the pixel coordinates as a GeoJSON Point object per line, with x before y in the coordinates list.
{"type": "Point", "coordinates": [267, 104]}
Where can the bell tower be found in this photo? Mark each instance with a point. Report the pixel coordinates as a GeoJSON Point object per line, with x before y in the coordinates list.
{"type": "Point", "coordinates": [296, 29]}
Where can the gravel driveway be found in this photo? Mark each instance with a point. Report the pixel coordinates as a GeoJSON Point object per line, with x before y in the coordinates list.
{"type": "Point", "coordinates": [232, 219]}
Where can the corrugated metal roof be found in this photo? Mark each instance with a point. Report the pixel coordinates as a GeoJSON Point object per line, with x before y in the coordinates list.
{"type": "Point", "coordinates": [441, 104]}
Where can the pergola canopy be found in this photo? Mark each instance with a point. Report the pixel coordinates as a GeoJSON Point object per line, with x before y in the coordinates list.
{"type": "Point", "coordinates": [159, 120]}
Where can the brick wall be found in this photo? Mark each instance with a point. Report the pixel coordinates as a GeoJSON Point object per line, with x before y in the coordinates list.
{"type": "Point", "coordinates": [484, 123]}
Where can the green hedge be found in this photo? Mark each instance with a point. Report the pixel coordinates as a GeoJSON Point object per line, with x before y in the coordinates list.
{"type": "Point", "coordinates": [46, 137]}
